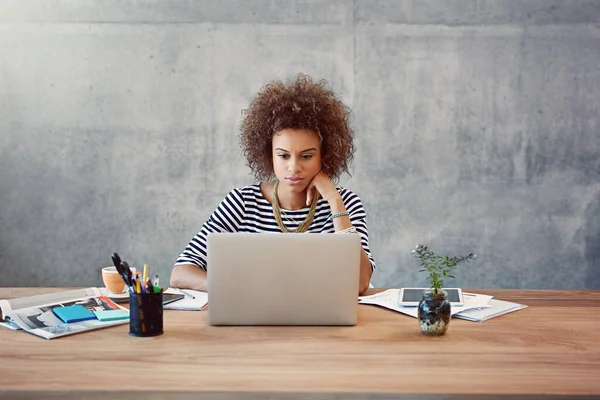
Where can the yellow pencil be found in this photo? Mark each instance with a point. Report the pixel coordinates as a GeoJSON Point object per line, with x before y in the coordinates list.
{"type": "Point", "coordinates": [145, 274]}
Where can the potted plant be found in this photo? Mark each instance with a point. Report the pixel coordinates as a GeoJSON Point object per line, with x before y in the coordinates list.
{"type": "Point", "coordinates": [434, 308]}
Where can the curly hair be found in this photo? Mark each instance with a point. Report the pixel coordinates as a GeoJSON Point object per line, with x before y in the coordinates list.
{"type": "Point", "coordinates": [299, 104]}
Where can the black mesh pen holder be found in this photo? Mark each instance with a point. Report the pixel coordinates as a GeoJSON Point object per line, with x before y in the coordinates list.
{"type": "Point", "coordinates": [145, 314]}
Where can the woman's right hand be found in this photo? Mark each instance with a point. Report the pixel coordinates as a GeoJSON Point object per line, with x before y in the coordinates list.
{"type": "Point", "coordinates": [323, 184]}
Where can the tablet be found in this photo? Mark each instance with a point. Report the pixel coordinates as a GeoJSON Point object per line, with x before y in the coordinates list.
{"type": "Point", "coordinates": [412, 296]}
{"type": "Point", "coordinates": [171, 297]}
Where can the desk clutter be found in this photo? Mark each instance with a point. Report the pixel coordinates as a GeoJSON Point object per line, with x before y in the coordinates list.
{"type": "Point", "coordinates": [476, 307]}
{"type": "Point", "coordinates": [68, 312]}
{"type": "Point", "coordinates": [146, 301]}
{"type": "Point", "coordinates": [64, 313]}
{"type": "Point", "coordinates": [58, 314]}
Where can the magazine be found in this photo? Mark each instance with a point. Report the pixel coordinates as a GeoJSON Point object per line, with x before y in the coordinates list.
{"type": "Point", "coordinates": [34, 314]}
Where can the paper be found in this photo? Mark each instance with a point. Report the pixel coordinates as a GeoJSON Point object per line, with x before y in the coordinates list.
{"type": "Point", "coordinates": [74, 313]}
{"type": "Point", "coordinates": [472, 300]}
{"type": "Point", "coordinates": [495, 309]}
{"type": "Point", "coordinates": [389, 299]}
{"type": "Point", "coordinates": [194, 300]}
{"type": "Point", "coordinates": [111, 315]}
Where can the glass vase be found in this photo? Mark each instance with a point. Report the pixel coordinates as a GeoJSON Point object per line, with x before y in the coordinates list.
{"type": "Point", "coordinates": [434, 313]}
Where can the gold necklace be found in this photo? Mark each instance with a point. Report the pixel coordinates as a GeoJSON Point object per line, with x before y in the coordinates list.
{"type": "Point", "coordinates": [303, 226]}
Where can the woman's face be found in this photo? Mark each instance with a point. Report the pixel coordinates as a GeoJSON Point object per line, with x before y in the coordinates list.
{"type": "Point", "coordinates": [296, 158]}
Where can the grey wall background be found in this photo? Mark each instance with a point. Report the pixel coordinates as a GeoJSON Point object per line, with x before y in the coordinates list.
{"type": "Point", "coordinates": [477, 124]}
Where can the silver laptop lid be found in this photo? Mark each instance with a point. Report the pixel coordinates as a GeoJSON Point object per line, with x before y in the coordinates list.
{"type": "Point", "coordinates": [283, 279]}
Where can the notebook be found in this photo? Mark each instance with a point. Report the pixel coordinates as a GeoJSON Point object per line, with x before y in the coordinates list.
{"type": "Point", "coordinates": [193, 300]}
{"type": "Point", "coordinates": [283, 279]}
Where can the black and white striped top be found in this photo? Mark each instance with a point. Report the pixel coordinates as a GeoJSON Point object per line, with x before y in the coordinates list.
{"type": "Point", "coordinates": [245, 209]}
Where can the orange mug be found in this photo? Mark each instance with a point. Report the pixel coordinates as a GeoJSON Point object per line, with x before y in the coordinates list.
{"type": "Point", "coordinates": [112, 280]}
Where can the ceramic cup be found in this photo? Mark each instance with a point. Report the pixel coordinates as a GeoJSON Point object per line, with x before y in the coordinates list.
{"type": "Point", "coordinates": [112, 280]}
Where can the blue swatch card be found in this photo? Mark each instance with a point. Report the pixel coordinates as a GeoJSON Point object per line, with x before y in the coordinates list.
{"type": "Point", "coordinates": [73, 313]}
{"type": "Point", "coordinates": [111, 315]}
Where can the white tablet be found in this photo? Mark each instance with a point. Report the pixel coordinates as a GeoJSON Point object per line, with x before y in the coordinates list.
{"type": "Point", "coordinates": [412, 296]}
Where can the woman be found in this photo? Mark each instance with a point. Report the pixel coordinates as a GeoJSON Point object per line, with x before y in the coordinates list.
{"type": "Point", "coordinates": [298, 133]}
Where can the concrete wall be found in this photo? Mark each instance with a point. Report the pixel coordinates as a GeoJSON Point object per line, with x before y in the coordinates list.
{"type": "Point", "coordinates": [477, 125]}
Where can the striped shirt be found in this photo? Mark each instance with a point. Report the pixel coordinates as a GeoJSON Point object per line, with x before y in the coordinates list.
{"type": "Point", "coordinates": [245, 209]}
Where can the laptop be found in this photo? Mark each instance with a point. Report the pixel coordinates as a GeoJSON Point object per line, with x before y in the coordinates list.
{"type": "Point", "coordinates": [283, 278]}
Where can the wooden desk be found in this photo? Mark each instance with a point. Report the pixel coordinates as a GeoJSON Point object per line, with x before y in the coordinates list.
{"type": "Point", "coordinates": [551, 348]}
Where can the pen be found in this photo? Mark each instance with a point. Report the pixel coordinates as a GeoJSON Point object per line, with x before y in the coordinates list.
{"type": "Point", "coordinates": [155, 280]}
{"type": "Point", "coordinates": [127, 271]}
{"type": "Point", "coordinates": [135, 281]}
{"type": "Point", "coordinates": [188, 293]}
{"type": "Point", "coordinates": [117, 262]}
{"type": "Point", "coordinates": [120, 269]}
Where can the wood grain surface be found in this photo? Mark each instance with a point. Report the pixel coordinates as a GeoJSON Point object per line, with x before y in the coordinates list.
{"type": "Point", "coordinates": [550, 349]}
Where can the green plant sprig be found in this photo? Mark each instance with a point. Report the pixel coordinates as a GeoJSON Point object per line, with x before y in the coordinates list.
{"type": "Point", "coordinates": [438, 267]}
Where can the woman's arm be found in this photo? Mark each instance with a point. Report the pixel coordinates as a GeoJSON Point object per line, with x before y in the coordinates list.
{"type": "Point", "coordinates": [188, 276]}
{"type": "Point", "coordinates": [325, 186]}
{"type": "Point", "coordinates": [341, 223]}
{"type": "Point", "coordinates": [189, 271]}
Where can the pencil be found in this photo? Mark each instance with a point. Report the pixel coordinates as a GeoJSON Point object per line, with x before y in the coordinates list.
{"type": "Point", "coordinates": [145, 275]}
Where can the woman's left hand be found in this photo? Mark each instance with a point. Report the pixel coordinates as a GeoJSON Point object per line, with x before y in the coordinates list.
{"type": "Point", "coordinates": [323, 185]}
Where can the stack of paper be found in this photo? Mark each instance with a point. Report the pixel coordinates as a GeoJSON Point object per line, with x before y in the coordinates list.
{"type": "Point", "coordinates": [477, 307]}
{"type": "Point", "coordinates": [495, 308]}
